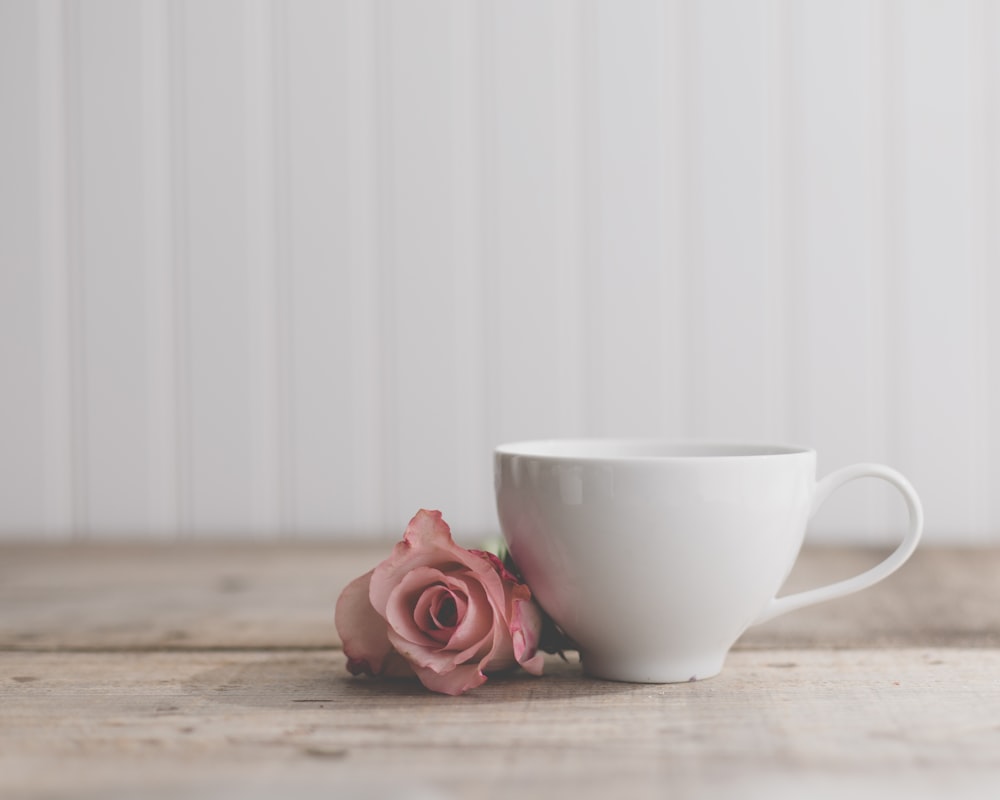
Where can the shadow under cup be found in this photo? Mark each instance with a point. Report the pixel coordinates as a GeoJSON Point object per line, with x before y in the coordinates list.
{"type": "Point", "coordinates": [654, 557]}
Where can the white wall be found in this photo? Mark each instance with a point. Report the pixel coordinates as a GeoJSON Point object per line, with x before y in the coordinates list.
{"type": "Point", "coordinates": [275, 269]}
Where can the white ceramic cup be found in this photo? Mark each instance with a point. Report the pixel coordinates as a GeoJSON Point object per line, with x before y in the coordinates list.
{"type": "Point", "coordinates": [654, 557]}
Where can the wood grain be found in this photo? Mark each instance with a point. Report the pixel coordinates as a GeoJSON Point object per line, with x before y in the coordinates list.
{"type": "Point", "coordinates": [192, 724]}
{"type": "Point", "coordinates": [197, 596]}
{"type": "Point", "coordinates": [213, 672]}
{"type": "Point", "coordinates": [129, 597]}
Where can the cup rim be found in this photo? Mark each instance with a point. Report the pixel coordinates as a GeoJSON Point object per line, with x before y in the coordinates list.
{"type": "Point", "coordinates": [647, 449]}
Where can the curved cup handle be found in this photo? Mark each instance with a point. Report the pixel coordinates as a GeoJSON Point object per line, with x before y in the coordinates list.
{"type": "Point", "coordinates": [782, 605]}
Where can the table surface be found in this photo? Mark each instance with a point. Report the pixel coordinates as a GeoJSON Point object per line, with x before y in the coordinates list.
{"type": "Point", "coordinates": [214, 671]}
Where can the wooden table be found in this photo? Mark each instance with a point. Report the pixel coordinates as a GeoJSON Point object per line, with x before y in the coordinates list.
{"type": "Point", "coordinates": [214, 671]}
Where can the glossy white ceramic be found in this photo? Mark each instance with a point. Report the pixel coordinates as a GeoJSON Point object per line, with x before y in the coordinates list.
{"type": "Point", "coordinates": [656, 556]}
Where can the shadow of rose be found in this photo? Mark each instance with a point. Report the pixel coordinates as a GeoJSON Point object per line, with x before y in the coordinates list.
{"type": "Point", "coordinates": [320, 679]}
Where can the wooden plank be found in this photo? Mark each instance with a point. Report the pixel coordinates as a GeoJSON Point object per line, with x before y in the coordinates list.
{"type": "Point", "coordinates": [780, 722]}
{"type": "Point", "coordinates": [136, 596]}
{"type": "Point", "coordinates": [197, 596]}
{"type": "Point", "coordinates": [941, 597]}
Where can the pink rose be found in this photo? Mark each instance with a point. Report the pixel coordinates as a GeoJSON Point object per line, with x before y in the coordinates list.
{"type": "Point", "coordinates": [438, 611]}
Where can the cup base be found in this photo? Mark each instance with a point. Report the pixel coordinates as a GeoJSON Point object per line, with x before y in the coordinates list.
{"type": "Point", "coordinates": [651, 671]}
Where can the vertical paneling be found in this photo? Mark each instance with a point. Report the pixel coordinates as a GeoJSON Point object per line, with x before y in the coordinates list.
{"type": "Point", "coordinates": [265, 274]}
{"type": "Point", "coordinates": [423, 387]}
{"type": "Point", "coordinates": [838, 355]}
{"type": "Point", "coordinates": [217, 285]}
{"type": "Point", "coordinates": [990, 230]}
{"type": "Point", "coordinates": [984, 103]}
{"type": "Point", "coordinates": [282, 270]}
{"type": "Point", "coordinates": [526, 317]}
{"type": "Point", "coordinates": [110, 280]}
{"type": "Point", "coordinates": [632, 311]}
{"type": "Point", "coordinates": [676, 358]}
{"type": "Point", "coordinates": [736, 280]}
{"type": "Point", "coordinates": [179, 219]}
{"type": "Point", "coordinates": [572, 199]}
{"type": "Point", "coordinates": [278, 268]}
{"type": "Point", "coordinates": [59, 516]}
{"type": "Point", "coordinates": [160, 306]}
{"type": "Point", "coordinates": [22, 347]}
{"type": "Point", "coordinates": [982, 223]}
{"type": "Point", "coordinates": [74, 263]}
{"type": "Point", "coordinates": [934, 285]}
{"type": "Point", "coordinates": [472, 490]}
{"type": "Point", "coordinates": [320, 152]}
{"type": "Point", "coordinates": [366, 185]}
{"type": "Point", "coordinates": [334, 329]}
{"type": "Point", "coordinates": [320, 268]}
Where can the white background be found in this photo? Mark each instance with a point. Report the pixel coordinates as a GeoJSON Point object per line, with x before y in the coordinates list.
{"type": "Point", "coordinates": [294, 268]}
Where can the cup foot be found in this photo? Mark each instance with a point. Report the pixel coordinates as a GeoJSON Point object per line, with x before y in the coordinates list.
{"type": "Point", "coordinates": [651, 670]}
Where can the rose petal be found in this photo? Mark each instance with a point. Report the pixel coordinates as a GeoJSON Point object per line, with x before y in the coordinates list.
{"type": "Point", "coordinates": [395, 666]}
{"type": "Point", "coordinates": [428, 543]}
{"type": "Point", "coordinates": [430, 607]}
{"type": "Point", "coordinates": [428, 528]}
{"type": "Point", "coordinates": [443, 660]}
{"type": "Point", "coordinates": [427, 583]}
{"type": "Point", "coordinates": [478, 619]}
{"type": "Point", "coordinates": [494, 560]}
{"type": "Point", "coordinates": [525, 630]}
{"type": "Point", "coordinates": [525, 622]}
{"type": "Point", "coordinates": [456, 682]}
{"type": "Point", "coordinates": [471, 637]}
{"type": "Point", "coordinates": [403, 599]}
{"type": "Point", "coordinates": [439, 658]}
{"type": "Point", "coordinates": [362, 630]}
{"type": "Point", "coordinates": [501, 654]}
{"type": "Point", "coordinates": [448, 610]}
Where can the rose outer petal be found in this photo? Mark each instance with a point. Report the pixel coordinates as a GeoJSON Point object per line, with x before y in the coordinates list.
{"type": "Point", "coordinates": [525, 630]}
{"type": "Point", "coordinates": [362, 630]}
{"type": "Point", "coordinates": [456, 682]}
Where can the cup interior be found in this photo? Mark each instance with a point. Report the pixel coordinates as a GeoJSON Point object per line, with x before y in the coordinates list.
{"type": "Point", "coordinates": [643, 448]}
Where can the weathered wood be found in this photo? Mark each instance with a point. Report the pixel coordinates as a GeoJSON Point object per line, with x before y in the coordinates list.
{"type": "Point", "coordinates": [178, 596]}
{"type": "Point", "coordinates": [941, 598]}
{"type": "Point", "coordinates": [805, 723]}
{"type": "Point", "coordinates": [194, 596]}
{"type": "Point", "coordinates": [201, 671]}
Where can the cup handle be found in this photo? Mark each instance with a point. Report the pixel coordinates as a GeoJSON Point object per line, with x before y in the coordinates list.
{"type": "Point", "coordinates": [826, 487]}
